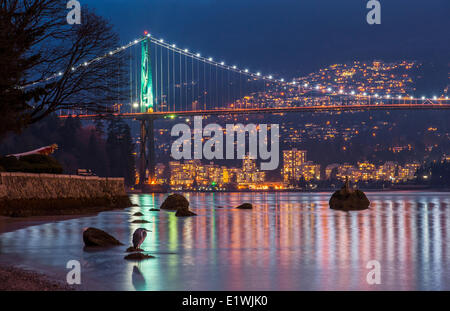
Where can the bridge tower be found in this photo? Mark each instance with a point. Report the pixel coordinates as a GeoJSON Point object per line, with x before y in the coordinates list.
{"type": "Point", "coordinates": [147, 146]}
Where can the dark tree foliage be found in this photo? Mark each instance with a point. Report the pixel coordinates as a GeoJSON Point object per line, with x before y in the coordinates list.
{"type": "Point", "coordinates": [79, 146]}
{"type": "Point", "coordinates": [36, 43]}
{"type": "Point", "coordinates": [120, 149]}
{"type": "Point", "coordinates": [435, 174]}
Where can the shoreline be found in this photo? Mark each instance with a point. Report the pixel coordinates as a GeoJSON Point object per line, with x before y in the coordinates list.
{"type": "Point", "coordinates": [13, 278]}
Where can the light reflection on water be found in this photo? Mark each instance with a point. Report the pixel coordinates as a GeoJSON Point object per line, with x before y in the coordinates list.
{"type": "Point", "coordinates": [289, 241]}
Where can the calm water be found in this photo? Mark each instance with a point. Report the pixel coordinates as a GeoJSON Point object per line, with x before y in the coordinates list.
{"type": "Point", "coordinates": [289, 241]}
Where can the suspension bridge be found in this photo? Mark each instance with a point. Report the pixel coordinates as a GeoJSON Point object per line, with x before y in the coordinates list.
{"type": "Point", "coordinates": [164, 80]}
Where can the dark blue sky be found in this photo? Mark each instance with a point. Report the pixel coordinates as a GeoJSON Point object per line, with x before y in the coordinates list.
{"type": "Point", "coordinates": [290, 37]}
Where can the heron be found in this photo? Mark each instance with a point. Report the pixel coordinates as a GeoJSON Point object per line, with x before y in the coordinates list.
{"type": "Point", "coordinates": [139, 236]}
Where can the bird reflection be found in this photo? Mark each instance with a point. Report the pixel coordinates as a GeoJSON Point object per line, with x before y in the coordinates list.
{"type": "Point", "coordinates": [138, 280]}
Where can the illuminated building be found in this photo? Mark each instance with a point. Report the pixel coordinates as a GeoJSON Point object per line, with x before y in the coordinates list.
{"type": "Point", "coordinates": [310, 171]}
{"type": "Point", "coordinates": [292, 161]}
{"type": "Point", "coordinates": [159, 173]}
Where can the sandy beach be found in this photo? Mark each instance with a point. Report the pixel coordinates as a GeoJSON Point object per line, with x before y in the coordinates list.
{"type": "Point", "coordinates": [13, 278]}
{"type": "Point", "coordinates": [17, 279]}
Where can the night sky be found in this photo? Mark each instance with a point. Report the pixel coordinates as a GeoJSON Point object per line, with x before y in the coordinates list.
{"type": "Point", "coordinates": [290, 37]}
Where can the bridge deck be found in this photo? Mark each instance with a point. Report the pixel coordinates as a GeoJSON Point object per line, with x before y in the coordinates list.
{"type": "Point", "coordinates": [161, 114]}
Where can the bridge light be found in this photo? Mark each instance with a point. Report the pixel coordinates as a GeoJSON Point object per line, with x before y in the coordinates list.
{"type": "Point", "coordinates": [364, 94]}
{"type": "Point", "coordinates": [234, 67]}
{"type": "Point", "coordinates": [282, 80]}
{"type": "Point", "coordinates": [258, 74]}
{"type": "Point", "coordinates": [222, 63]}
{"type": "Point", "coordinates": [423, 97]}
{"type": "Point", "coordinates": [85, 64]}
{"type": "Point", "coordinates": [317, 87]}
{"type": "Point", "coordinates": [186, 50]}
{"type": "Point", "coordinates": [352, 92]}
{"type": "Point", "coordinates": [399, 96]}
{"type": "Point", "coordinates": [329, 89]}
{"type": "Point", "coordinates": [341, 91]}
{"type": "Point", "coordinates": [446, 97]}
{"type": "Point", "coordinates": [198, 55]}
{"type": "Point", "coordinates": [293, 82]}
{"type": "Point", "coordinates": [161, 40]}
{"type": "Point", "coordinates": [174, 45]}
{"type": "Point", "coordinates": [376, 95]}
{"type": "Point", "coordinates": [434, 97]}
{"type": "Point", "coordinates": [246, 70]}
{"type": "Point", "coordinates": [73, 68]}
{"type": "Point", "coordinates": [305, 85]}
{"type": "Point", "coordinates": [136, 41]}
{"type": "Point", "coordinates": [210, 59]}
{"type": "Point", "coordinates": [135, 105]}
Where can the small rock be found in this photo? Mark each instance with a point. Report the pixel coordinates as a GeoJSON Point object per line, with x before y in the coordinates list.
{"type": "Point", "coordinates": [131, 249]}
{"type": "Point", "coordinates": [138, 256]}
{"type": "Point", "coordinates": [140, 221]}
{"type": "Point", "coordinates": [348, 199]}
{"type": "Point", "coordinates": [97, 237]}
{"type": "Point", "coordinates": [175, 201]}
{"type": "Point", "coordinates": [245, 206]}
{"type": "Point", "coordinates": [138, 214]}
{"type": "Point", "coordinates": [154, 210]}
{"type": "Point", "coordinates": [184, 213]}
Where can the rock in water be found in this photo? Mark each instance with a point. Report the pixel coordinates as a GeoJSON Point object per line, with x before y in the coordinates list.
{"type": "Point", "coordinates": [245, 206]}
{"type": "Point", "coordinates": [140, 221]}
{"type": "Point", "coordinates": [184, 213]}
{"type": "Point", "coordinates": [97, 237]}
{"type": "Point", "coordinates": [154, 210]}
{"type": "Point", "coordinates": [138, 214]}
{"type": "Point", "coordinates": [132, 249]}
{"type": "Point", "coordinates": [138, 256]}
{"type": "Point", "coordinates": [348, 199]}
{"type": "Point", "coordinates": [175, 201]}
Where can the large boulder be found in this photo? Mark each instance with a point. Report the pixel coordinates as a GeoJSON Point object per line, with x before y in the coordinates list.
{"type": "Point", "coordinates": [138, 256]}
{"type": "Point", "coordinates": [175, 201]}
{"type": "Point", "coordinates": [184, 212]}
{"type": "Point", "coordinates": [245, 206]}
{"type": "Point", "coordinates": [349, 200]}
{"type": "Point", "coordinates": [97, 237]}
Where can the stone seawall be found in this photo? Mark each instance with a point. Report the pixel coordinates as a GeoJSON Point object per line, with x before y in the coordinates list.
{"type": "Point", "coordinates": [23, 194]}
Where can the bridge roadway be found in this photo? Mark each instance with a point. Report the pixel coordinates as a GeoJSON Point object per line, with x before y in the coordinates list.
{"type": "Point", "coordinates": [228, 111]}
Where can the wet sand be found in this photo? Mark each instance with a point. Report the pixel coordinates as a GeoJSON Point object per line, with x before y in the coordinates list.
{"type": "Point", "coordinates": [17, 279]}
{"type": "Point", "coordinates": [9, 224]}
{"type": "Point", "coordinates": [13, 278]}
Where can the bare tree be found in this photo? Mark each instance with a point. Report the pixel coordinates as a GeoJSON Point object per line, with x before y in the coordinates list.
{"type": "Point", "coordinates": [36, 43]}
